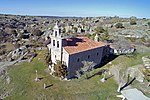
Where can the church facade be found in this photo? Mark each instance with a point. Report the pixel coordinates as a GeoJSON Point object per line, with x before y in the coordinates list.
{"type": "Point", "coordinates": [73, 51]}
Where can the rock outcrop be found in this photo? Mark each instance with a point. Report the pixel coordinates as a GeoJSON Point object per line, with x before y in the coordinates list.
{"type": "Point", "coordinates": [146, 61]}
{"type": "Point", "coordinates": [136, 72]}
{"type": "Point", "coordinates": [14, 55]}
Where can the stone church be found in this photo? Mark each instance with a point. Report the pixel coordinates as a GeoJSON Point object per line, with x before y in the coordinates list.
{"type": "Point", "coordinates": [73, 51]}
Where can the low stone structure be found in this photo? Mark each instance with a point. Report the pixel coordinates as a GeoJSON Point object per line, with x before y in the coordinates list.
{"type": "Point", "coordinates": [124, 51]}
{"type": "Point", "coordinates": [134, 94]}
{"type": "Point", "coordinates": [146, 61]}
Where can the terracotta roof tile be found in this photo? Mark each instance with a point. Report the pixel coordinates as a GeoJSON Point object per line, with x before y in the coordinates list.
{"type": "Point", "coordinates": [80, 44]}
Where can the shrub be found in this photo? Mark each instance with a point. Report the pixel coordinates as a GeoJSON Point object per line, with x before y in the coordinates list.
{"type": "Point", "coordinates": [147, 73]}
{"type": "Point", "coordinates": [48, 58]}
{"type": "Point", "coordinates": [99, 30]}
{"type": "Point", "coordinates": [119, 25]}
{"type": "Point", "coordinates": [37, 32]}
{"type": "Point", "coordinates": [105, 36]}
{"type": "Point", "coordinates": [132, 22]}
{"type": "Point", "coordinates": [60, 70]}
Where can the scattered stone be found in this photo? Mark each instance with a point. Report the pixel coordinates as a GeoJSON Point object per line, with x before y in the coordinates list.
{"type": "Point", "coordinates": [146, 61]}
{"type": "Point", "coordinates": [110, 63]}
{"type": "Point", "coordinates": [44, 86]}
{"type": "Point", "coordinates": [103, 79]}
{"type": "Point", "coordinates": [120, 96]}
{"type": "Point", "coordinates": [8, 80]}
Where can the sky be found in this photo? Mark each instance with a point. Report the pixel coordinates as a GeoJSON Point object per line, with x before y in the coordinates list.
{"type": "Point", "coordinates": [78, 8]}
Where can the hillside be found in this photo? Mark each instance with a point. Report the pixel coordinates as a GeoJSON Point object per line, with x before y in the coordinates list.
{"type": "Point", "coordinates": [23, 50]}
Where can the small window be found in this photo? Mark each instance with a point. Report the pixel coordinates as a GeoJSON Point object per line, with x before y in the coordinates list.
{"type": "Point", "coordinates": [55, 56]}
{"type": "Point", "coordinates": [97, 53]}
{"type": "Point", "coordinates": [78, 60]}
{"type": "Point", "coordinates": [57, 44]}
{"type": "Point", "coordinates": [59, 31]}
{"type": "Point", "coordinates": [88, 56]}
{"type": "Point", "coordinates": [55, 33]}
{"type": "Point", "coordinates": [53, 42]}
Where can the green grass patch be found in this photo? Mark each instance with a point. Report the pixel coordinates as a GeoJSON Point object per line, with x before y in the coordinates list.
{"type": "Point", "coordinates": [25, 88]}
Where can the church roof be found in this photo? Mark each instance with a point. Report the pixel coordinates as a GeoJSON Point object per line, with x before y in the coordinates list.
{"type": "Point", "coordinates": [81, 44]}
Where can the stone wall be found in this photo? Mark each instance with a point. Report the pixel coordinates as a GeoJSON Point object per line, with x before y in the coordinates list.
{"type": "Point", "coordinates": [75, 60]}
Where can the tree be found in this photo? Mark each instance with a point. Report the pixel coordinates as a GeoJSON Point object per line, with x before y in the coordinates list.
{"type": "Point", "coordinates": [103, 33]}
{"type": "Point", "coordinates": [132, 22]}
{"type": "Point", "coordinates": [78, 73]}
{"type": "Point", "coordinates": [60, 70]}
{"type": "Point", "coordinates": [105, 36]}
{"type": "Point", "coordinates": [148, 24]}
{"type": "Point", "coordinates": [88, 66]}
{"type": "Point", "coordinates": [63, 30]}
{"type": "Point", "coordinates": [119, 25]}
{"type": "Point", "coordinates": [99, 29]}
{"type": "Point", "coordinates": [75, 29]}
{"type": "Point", "coordinates": [37, 32]}
{"type": "Point", "coordinates": [48, 58]}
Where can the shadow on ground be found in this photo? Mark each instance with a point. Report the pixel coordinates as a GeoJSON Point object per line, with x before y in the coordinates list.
{"type": "Point", "coordinates": [106, 60]}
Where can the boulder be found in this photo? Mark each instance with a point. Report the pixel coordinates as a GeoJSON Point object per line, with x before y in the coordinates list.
{"type": "Point", "coordinates": [136, 71]}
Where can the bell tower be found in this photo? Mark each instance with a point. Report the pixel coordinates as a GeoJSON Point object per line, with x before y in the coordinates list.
{"type": "Point", "coordinates": [56, 44]}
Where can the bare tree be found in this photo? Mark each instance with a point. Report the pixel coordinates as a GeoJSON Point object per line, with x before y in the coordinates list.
{"type": "Point", "coordinates": [78, 73]}
{"type": "Point", "coordinates": [87, 67]}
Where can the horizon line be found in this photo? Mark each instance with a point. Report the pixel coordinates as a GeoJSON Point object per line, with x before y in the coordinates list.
{"type": "Point", "coordinates": [38, 15]}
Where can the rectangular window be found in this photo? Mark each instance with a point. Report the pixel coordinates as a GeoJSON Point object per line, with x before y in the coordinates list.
{"type": "Point", "coordinates": [57, 44]}
{"type": "Point", "coordinates": [78, 60]}
{"type": "Point", "coordinates": [97, 53]}
{"type": "Point", "coordinates": [53, 42]}
{"type": "Point", "coordinates": [88, 56]}
{"type": "Point", "coordinates": [55, 33]}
